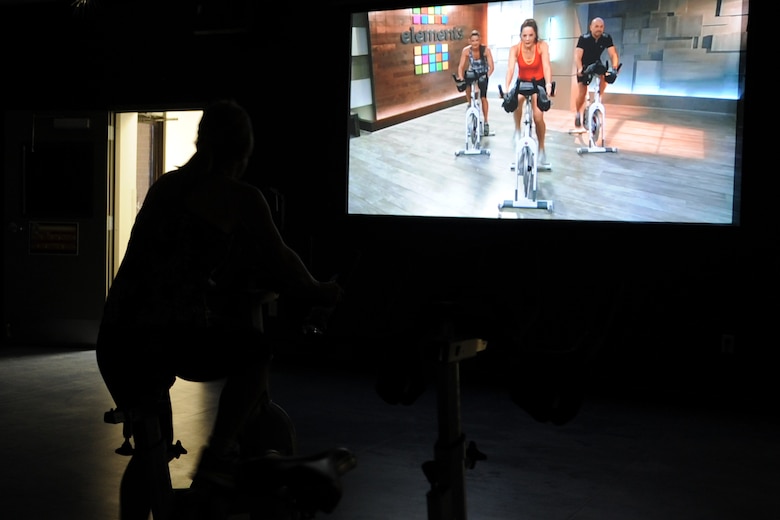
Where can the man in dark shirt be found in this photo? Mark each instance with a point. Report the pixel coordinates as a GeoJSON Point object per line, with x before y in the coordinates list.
{"type": "Point", "coordinates": [589, 49]}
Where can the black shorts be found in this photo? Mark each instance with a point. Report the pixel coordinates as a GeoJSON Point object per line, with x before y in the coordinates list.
{"type": "Point", "coordinates": [482, 82]}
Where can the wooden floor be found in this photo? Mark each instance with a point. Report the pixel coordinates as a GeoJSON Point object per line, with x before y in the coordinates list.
{"type": "Point", "coordinates": [671, 165]}
{"type": "Point", "coordinates": [619, 459]}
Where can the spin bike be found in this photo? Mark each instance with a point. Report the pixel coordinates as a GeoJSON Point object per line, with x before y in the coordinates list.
{"type": "Point", "coordinates": [475, 118]}
{"type": "Point", "coordinates": [595, 113]}
{"type": "Point", "coordinates": [526, 146]}
{"type": "Point", "coordinates": [444, 339]}
{"type": "Point", "coordinates": [273, 480]}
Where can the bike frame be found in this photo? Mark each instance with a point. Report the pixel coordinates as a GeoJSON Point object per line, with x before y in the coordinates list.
{"type": "Point", "coordinates": [269, 429]}
{"type": "Point", "coordinates": [526, 145]}
{"type": "Point", "coordinates": [595, 112]}
{"type": "Point", "coordinates": [474, 146]}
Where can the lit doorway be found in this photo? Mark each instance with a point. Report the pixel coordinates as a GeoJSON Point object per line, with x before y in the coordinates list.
{"type": "Point", "coordinates": [147, 144]}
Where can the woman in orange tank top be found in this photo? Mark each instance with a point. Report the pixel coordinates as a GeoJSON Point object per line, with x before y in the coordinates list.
{"type": "Point", "coordinates": [531, 59]}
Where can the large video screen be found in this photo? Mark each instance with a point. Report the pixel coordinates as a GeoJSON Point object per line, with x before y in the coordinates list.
{"type": "Point", "coordinates": [662, 144]}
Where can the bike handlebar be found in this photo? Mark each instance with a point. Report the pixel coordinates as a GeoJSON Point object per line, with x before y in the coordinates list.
{"type": "Point", "coordinates": [598, 69]}
{"type": "Point", "coordinates": [461, 84]}
{"type": "Point", "coordinates": [526, 89]}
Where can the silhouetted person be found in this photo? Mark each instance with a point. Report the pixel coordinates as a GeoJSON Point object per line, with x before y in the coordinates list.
{"type": "Point", "coordinates": [159, 324]}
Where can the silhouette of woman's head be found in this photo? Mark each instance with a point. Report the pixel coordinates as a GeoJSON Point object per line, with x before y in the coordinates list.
{"type": "Point", "coordinates": [225, 136]}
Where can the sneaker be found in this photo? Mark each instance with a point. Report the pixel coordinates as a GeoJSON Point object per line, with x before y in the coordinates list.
{"type": "Point", "coordinates": [543, 162]}
{"type": "Point", "coordinates": [487, 129]}
{"type": "Point", "coordinates": [577, 120]}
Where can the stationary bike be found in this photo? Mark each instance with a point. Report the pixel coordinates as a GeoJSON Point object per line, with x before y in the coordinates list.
{"type": "Point", "coordinates": [273, 480]}
{"type": "Point", "coordinates": [475, 118]}
{"type": "Point", "coordinates": [446, 335]}
{"type": "Point", "coordinates": [526, 145]}
{"type": "Point", "coordinates": [595, 113]}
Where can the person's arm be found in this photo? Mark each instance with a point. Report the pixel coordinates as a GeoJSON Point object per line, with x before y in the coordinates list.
{"type": "Point", "coordinates": [578, 61]}
{"type": "Point", "coordinates": [462, 64]}
{"type": "Point", "coordinates": [544, 52]}
{"type": "Point", "coordinates": [613, 56]}
{"type": "Point", "coordinates": [284, 266]}
{"type": "Point", "coordinates": [489, 56]}
{"type": "Point", "coordinates": [510, 68]}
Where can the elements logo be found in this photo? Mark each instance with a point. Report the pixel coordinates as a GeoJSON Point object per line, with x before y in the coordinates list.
{"type": "Point", "coordinates": [431, 50]}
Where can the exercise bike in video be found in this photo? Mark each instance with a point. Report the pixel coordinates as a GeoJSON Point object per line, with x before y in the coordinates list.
{"type": "Point", "coordinates": [526, 161]}
{"type": "Point", "coordinates": [475, 118]}
{"type": "Point", "coordinates": [595, 115]}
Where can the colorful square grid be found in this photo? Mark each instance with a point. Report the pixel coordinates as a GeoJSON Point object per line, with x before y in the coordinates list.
{"type": "Point", "coordinates": [431, 58]}
{"type": "Point", "coordinates": [429, 15]}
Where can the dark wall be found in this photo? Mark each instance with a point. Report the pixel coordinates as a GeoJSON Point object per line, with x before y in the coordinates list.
{"type": "Point", "coordinates": [652, 299]}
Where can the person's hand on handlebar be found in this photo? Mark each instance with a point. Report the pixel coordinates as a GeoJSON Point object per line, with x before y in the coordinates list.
{"type": "Point", "coordinates": [460, 83]}
{"type": "Point", "coordinates": [611, 75]}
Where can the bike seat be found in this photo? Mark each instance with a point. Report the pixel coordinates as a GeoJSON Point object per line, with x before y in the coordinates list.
{"type": "Point", "coordinates": [312, 481]}
{"type": "Point", "coordinates": [526, 88]}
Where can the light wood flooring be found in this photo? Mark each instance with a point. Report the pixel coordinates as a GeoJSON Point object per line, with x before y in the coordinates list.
{"type": "Point", "coordinates": [671, 165]}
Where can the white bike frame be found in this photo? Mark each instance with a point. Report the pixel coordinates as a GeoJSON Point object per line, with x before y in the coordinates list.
{"type": "Point", "coordinates": [474, 115]}
{"type": "Point", "coordinates": [526, 159]}
{"type": "Point", "coordinates": [594, 124]}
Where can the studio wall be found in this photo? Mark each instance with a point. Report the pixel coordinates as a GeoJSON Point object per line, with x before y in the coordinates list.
{"type": "Point", "coordinates": [402, 89]}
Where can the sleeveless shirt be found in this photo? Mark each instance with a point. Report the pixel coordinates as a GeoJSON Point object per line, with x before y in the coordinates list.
{"type": "Point", "coordinates": [478, 66]}
{"type": "Point", "coordinates": [530, 71]}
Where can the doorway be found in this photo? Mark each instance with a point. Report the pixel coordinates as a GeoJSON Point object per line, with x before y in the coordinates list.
{"type": "Point", "coordinates": [147, 144]}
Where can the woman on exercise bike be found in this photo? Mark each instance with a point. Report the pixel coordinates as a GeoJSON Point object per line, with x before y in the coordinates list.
{"type": "Point", "coordinates": [478, 59]}
{"type": "Point", "coordinates": [531, 58]}
{"type": "Point", "coordinates": [158, 323]}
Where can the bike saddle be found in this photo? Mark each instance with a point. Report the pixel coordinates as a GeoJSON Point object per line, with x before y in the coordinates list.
{"type": "Point", "coordinates": [525, 88]}
{"type": "Point", "coordinates": [311, 481]}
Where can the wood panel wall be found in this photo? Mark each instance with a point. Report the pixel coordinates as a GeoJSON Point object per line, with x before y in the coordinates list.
{"type": "Point", "coordinates": [399, 93]}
